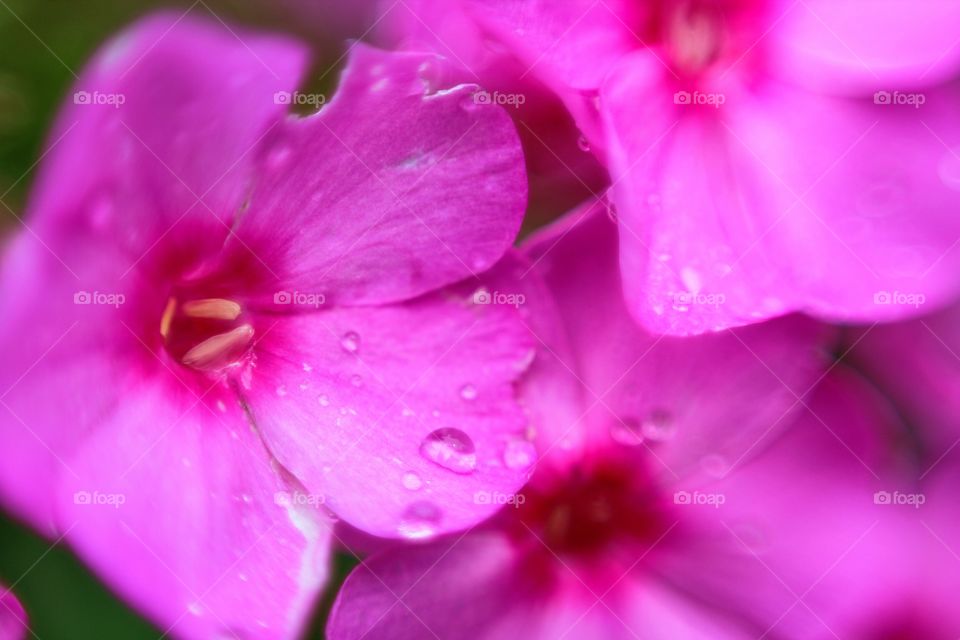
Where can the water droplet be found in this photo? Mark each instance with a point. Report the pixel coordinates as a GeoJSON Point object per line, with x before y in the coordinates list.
{"type": "Point", "coordinates": [350, 342]}
{"type": "Point", "coordinates": [243, 577]}
{"type": "Point", "coordinates": [519, 455]}
{"type": "Point", "coordinates": [323, 400]}
{"type": "Point", "coordinates": [583, 143]}
{"type": "Point", "coordinates": [949, 169]}
{"type": "Point", "coordinates": [451, 449]}
{"type": "Point", "coordinates": [356, 380]}
{"type": "Point", "coordinates": [307, 368]}
{"type": "Point", "coordinates": [412, 481]}
{"type": "Point", "coordinates": [281, 391]}
{"type": "Point", "coordinates": [278, 156]}
{"type": "Point", "coordinates": [626, 432]}
{"type": "Point", "coordinates": [419, 520]}
{"type": "Point", "coordinates": [715, 465]}
{"type": "Point", "coordinates": [468, 392]}
{"type": "Point", "coordinates": [658, 426]}
{"type": "Point", "coordinates": [246, 498]}
{"type": "Point", "coordinates": [407, 412]}
{"type": "Point", "coordinates": [195, 608]}
{"type": "Point", "coordinates": [691, 279]}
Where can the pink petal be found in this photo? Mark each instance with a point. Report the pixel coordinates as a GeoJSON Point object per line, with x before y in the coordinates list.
{"type": "Point", "coordinates": [365, 201]}
{"type": "Point", "coordinates": [708, 203]}
{"type": "Point", "coordinates": [157, 137]}
{"type": "Point", "coordinates": [460, 588]}
{"type": "Point", "coordinates": [400, 414]}
{"type": "Point", "coordinates": [177, 505]}
{"type": "Point", "coordinates": [917, 365]}
{"type": "Point", "coordinates": [573, 43]}
{"type": "Point", "coordinates": [865, 45]}
{"type": "Point", "coordinates": [13, 619]}
{"type": "Point", "coordinates": [675, 397]}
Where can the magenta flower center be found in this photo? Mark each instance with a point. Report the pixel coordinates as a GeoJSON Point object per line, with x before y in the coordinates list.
{"type": "Point", "coordinates": [691, 36]}
{"type": "Point", "coordinates": [591, 511]}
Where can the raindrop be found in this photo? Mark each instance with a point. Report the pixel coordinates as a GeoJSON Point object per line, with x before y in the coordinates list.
{"type": "Point", "coordinates": [715, 465]}
{"type": "Point", "coordinates": [451, 449]}
{"type": "Point", "coordinates": [350, 342]}
{"type": "Point", "coordinates": [519, 455]}
{"type": "Point", "coordinates": [583, 143]}
{"type": "Point", "coordinates": [324, 401]}
{"type": "Point", "coordinates": [626, 432]}
{"type": "Point", "coordinates": [307, 368]}
{"type": "Point", "coordinates": [658, 426]}
{"type": "Point", "coordinates": [419, 520]}
{"type": "Point", "coordinates": [468, 392]}
{"type": "Point", "coordinates": [412, 481]}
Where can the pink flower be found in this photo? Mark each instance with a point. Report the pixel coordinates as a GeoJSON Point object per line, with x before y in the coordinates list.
{"type": "Point", "coordinates": [687, 488]}
{"type": "Point", "coordinates": [13, 619]}
{"type": "Point", "coordinates": [221, 317]}
{"type": "Point", "coordinates": [779, 155]}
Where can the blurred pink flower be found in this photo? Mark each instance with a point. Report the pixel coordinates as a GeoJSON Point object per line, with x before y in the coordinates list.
{"type": "Point", "coordinates": [13, 619]}
{"type": "Point", "coordinates": [649, 514]}
{"type": "Point", "coordinates": [781, 155]}
{"type": "Point", "coordinates": [222, 317]}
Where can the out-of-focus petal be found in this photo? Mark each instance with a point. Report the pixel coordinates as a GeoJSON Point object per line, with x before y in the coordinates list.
{"type": "Point", "coordinates": [676, 397]}
{"type": "Point", "coordinates": [177, 505]}
{"type": "Point", "coordinates": [157, 138]}
{"type": "Point", "coordinates": [401, 414]}
{"type": "Point", "coordinates": [13, 618]}
{"type": "Point", "coordinates": [846, 46]}
{"type": "Point", "coordinates": [367, 201]}
{"type": "Point", "coordinates": [571, 43]}
{"type": "Point", "coordinates": [779, 200]}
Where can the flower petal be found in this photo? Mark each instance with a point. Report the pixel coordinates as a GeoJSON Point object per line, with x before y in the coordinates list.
{"type": "Point", "coordinates": [865, 45]}
{"type": "Point", "coordinates": [365, 201]}
{"type": "Point", "coordinates": [177, 505]}
{"type": "Point", "coordinates": [13, 619]}
{"type": "Point", "coordinates": [158, 137]}
{"type": "Point", "coordinates": [641, 385]}
{"type": "Point", "coordinates": [780, 200]}
{"type": "Point", "coordinates": [399, 414]}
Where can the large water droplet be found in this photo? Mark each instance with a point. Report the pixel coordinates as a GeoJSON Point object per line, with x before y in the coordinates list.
{"type": "Point", "coordinates": [419, 520]}
{"type": "Point", "coordinates": [626, 432]}
{"type": "Point", "coordinates": [450, 448]}
{"type": "Point", "coordinates": [519, 455]}
{"type": "Point", "coordinates": [412, 481]}
{"type": "Point", "coordinates": [658, 426]}
{"type": "Point", "coordinates": [350, 342]}
{"type": "Point", "coordinates": [468, 392]}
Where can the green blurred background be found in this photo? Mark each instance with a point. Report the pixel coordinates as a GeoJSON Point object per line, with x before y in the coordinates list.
{"type": "Point", "coordinates": [42, 44]}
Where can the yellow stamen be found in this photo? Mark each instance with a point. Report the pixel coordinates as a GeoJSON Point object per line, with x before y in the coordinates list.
{"type": "Point", "coordinates": [167, 317]}
{"type": "Point", "coordinates": [216, 308]}
{"type": "Point", "coordinates": [212, 352]}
